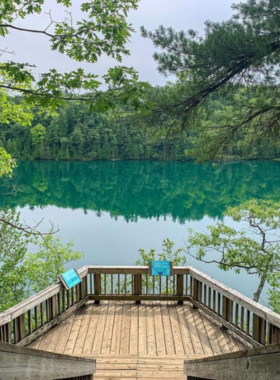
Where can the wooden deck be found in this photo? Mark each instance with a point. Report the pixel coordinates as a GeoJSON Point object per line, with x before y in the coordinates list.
{"type": "Point", "coordinates": [143, 341]}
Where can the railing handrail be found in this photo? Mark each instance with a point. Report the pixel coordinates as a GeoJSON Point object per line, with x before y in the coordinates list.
{"type": "Point", "coordinates": [251, 321]}
{"type": "Point", "coordinates": [15, 311]}
{"type": "Point", "coordinates": [258, 309]}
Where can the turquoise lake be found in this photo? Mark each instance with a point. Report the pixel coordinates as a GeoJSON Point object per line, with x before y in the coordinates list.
{"type": "Point", "coordinates": [110, 210]}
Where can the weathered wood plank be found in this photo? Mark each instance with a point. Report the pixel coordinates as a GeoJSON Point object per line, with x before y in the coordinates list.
{"type": "Point", "coordinates": [116, 337]}
{"type": "Point", "coordinates": [151, 339]}
{"type": "Point", "coordinates": [203, 337]}
{"type": "Point", "coordinates": [259, 363]}
{"type": "Point", "coordinates": [97, 343]}
{"type": "Point", "coordinates": [125, 331]}
{"type": "Point", "coordinates": [159, 331]}
{"type": "Point", "coordinates": [169, 341]}
{"type": "Point", "coordinates": [134, 330]}
{"type": "Point", "coordinates": [142, 330]}
{"type": "Point", "coordinates": [196, 342]}
{"type": "Point", "coordinates": [226, 324]}
{"type": "Point", "coordinates": [108, 329]}
{"type": "Point", "coordinates": [92, 328]}
{"type": "Point", "coordinates": [177, 337]}
{"type": "Point", "coordinates": [20, 362]}
{"type": "Point", "coordinates": [42, 330]}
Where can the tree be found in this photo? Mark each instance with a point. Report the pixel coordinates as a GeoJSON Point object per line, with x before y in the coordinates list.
{"type": "Point", "coordinates": [103, 30]}
{"type": "Point", "coordinates": [38, 134]}
{"type": "Point", "coordinates": [44, 267]}
{"type": "Point", "coordinates": [7, 163]}
{"type": "Point", "coordinates": [13, 248]}
{"type": "Point", "coordinates": [253, 247]}
{"type": "Point", "coordinates": [23, 273]}
{"type": "Point", "coordinates": [243, 51]}
{"type": "Point", "coordinates": [167, 254]}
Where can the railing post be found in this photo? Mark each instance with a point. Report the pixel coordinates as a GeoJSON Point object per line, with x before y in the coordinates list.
{"type": "Point", "coordinates": [21, 326]}
{"type": "Point", "coordinates": [85, 287]}
{"type": "Point", "coordinates": [197, 291]}
{"type": "Point", "coordinates": [256, 327]}
{"type": "Point", "coordinates": [180, 287]}
{"type": "Point", "coordinates": [5, 333]}
{"type": "Point", "coordinates": [97, 286]}
{"type": "Point", "coordinates": [227, 309]}
{"type": "Point", "coordinates": [273, 334]}
{"type": "Point", "coordinates": [53, 307]}
{"type": "Point", "coordinates": [137, 286]}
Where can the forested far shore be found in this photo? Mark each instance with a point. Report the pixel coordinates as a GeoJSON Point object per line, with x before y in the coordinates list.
{"type": "Point", "coordinates": [74, 133]}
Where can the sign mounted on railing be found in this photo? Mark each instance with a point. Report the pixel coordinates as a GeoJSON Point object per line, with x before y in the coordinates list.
{"type": "Point", "coordinates": [70, 278]}
{"type": "Point", "coordinates": [161, 268]}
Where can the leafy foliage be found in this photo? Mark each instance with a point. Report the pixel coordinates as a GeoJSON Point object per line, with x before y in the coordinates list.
{"type": "Point", "coordinates": [254, 247]}
{"type": "Point", "coordinates": [44, 266]}
{"type": "Point", "coordinates": [13, 248]}
{"type": "Point", "coordinates": [103, 30]}
{"type": "Point", "coordinates": [243, 51]}
{"type": "Point", "coordinates": [7, 163]}
{"type": "Point", "coordinates": [23, 273]}
{"type": "Point", "coordinates": [75, 133]}
{"type": "Point", "coordinates": [166, 254]}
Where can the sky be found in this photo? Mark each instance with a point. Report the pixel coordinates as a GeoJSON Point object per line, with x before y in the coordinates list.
{"type": "Point", "coordinates": [180, 14]}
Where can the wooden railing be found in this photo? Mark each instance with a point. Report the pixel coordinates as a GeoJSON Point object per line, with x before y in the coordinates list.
{"type": "Point", "coordinates": [24, 363]}
{"type": "Point", "coordinates": [135, 283]}
{"type": "Point", "coordinates": [251, 321]}
{"type": "Point", "coordinates": [248, 319]}
{"type": "Point", "coordinates": [26, 321]}
{"type": "Point", "coordinates": [29, 319]}
{"type": "Point", "coordinates": [257, 363]}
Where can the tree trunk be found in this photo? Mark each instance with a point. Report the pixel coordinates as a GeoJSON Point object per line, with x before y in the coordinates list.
{"type": "Point", "coordinates": [260, 288]}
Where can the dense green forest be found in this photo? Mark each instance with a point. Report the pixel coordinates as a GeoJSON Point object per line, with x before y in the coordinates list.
{"type": "Point", "coordinates": [132, 190]}
{"type": "Point", "coordinates": [75, 133]}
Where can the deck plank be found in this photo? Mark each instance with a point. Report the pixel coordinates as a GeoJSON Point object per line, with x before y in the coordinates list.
{"type": "Point", "coordinates": [116, 337]}
{"type": "Point", "coordinates": [169, 341]}
{"type": "Point", "coordinates": [80, 342]}
{"type": "Point", "coordinates": [101, 323]}
{"type": "Point", "coordinates": [145, 341]}
{"type": "Point", "coordinates": [203, 337]}
{"type": "Point", "coordinates": [177, 337]}
{"type": "Point", "coordinates": [74, 333]}
{"type": "Point", "coordinates": [212, 336]}
{"type": "Point", "coordinates": [142, 330]}
{"type": "Point", "coordinates": [159, 332]}
{"type": "Point", "coordinates": [125, 331]}
{"type": "Point", "coordinates": [92, 327]}
{"type": "Point", "coordinates": [108, 329]}
{"type": "Point", "coordinates": [190, 320]}
{"type": "Point", "coordinates": [134, 330]}
{"type": "Point", "coordinates": [151, 338]}
{"type": "Point", "coordinates": [185, 333]}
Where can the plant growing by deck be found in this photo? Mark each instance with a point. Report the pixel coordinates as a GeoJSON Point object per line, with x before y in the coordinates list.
{"type": "Point", "coordinates": [167, 254]}
{"type": "Point", "coordinates": [23, 273]}
{"type": "Point", "coordinates": [253, 247]}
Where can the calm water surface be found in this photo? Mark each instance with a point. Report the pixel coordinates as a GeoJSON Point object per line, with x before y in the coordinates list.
{"type": "Point", "coordinates": [110, 210]}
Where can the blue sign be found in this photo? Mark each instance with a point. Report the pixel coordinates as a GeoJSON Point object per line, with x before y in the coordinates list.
{"type": "Point", "coordinates": [70, 278]}
{"type": "Point", "coordinates": [161, 268]}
